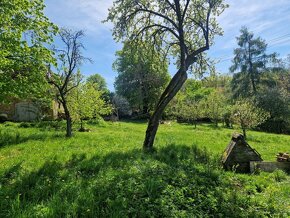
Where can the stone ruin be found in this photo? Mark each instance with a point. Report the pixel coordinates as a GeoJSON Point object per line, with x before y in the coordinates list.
{"type": "Point", "coordinates": [241, 158]}
{"type": "Point", "coordinates": [238, 155]}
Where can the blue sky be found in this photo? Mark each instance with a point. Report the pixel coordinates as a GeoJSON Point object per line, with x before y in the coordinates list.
{"type": "Point", "coordinates": [269, 19]}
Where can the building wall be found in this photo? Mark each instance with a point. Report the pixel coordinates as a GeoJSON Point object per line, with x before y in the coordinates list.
{"type": "Point", "coordinates": [28, 111]}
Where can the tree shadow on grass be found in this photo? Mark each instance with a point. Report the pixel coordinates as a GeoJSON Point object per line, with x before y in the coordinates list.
{"type": "Point", "coordinates": [174, 181]}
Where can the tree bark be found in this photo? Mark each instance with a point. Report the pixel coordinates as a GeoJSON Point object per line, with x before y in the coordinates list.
{"type": "Point", "coordinates": [82, 126]}
{"type": "Point", "coordinates": [68, 119]}
{"type": "Point", "coordinates": [170, 91]}
{"type": "Point", "coordinates": [244, 133]}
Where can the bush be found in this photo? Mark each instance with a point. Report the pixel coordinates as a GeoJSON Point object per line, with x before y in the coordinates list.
{"type": "Point", "coordinates": [24, 125]}
{"type": "Point", "coordinates": [98, 122]}
{"type": "Point", "coordinates": [3, 118]}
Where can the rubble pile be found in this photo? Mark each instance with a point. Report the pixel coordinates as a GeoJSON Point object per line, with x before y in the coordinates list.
{"type": "Point", "coordinates": [283, 157]}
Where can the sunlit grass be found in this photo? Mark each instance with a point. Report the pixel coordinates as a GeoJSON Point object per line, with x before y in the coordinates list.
{"type": "Point", "coordinates": [104, 173]}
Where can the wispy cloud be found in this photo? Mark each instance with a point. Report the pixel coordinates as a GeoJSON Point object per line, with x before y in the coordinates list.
{"type": "Point", "coordinates": [263, 17]}
{"type": "Point", "coordinates": [80, 14]}
{"type": "Point", "coordinates": [266, 18]}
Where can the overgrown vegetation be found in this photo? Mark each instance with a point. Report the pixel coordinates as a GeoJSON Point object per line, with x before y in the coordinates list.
{"type": "Point", "coordinates": [113, 177]}
{"type": "Point", "coordinates": [104, 172]}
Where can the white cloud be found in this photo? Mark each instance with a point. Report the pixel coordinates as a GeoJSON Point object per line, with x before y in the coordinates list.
{"type": "Point", "coordinates": [261, 16]}
{"type": "Point", "coordinates": [266, 18]}
{"type": "Point", "coordinates": [80, 14]}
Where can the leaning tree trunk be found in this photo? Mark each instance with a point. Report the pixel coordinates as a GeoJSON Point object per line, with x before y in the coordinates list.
{"type": "Point", "coordinates": [170, 91]}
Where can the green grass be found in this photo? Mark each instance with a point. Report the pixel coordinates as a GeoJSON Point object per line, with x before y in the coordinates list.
{"type": "Point", "coordinates": [104, 173]}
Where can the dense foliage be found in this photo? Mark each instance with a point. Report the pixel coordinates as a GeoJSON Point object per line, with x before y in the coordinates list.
{"type": "Point", "coordinates": [100, 84]}
{"type": "Point", "coordinates": [142, 75]}
{"type": "Point", "coordinates": [24, 33]}
{"type": "Point", "coordinates": [85, 102]}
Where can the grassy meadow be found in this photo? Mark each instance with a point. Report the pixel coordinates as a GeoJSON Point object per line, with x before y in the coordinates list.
{"type": "Point", "coordinates": [105, 173]}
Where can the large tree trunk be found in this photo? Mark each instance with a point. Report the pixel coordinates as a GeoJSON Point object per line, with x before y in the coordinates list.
{"type": "Point", "coordinates": [170, 91]}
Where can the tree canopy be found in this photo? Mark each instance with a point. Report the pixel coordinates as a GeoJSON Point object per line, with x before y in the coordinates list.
{"type": "Point", "coordinates": [98, 82]}
{"type": "Point", "coordinates": [142, 75]}
{"type": "Point", "coordinates": [24, 32]}
{"type": "Point", "coordinates": [248, 115]}
{"type": "Point", "coordinates": [85, 102]}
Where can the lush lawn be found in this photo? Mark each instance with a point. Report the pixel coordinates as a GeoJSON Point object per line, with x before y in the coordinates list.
{"type": "Point", "coordinates": [104, 173]}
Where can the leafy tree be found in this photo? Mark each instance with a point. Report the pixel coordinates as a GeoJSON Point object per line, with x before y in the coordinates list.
{"type": "Point", "coordinates": [274, 95]}
{"type": "Point", "coordinates": [183, 28]}
{"type": "Point", "coordinates": [100, 84]}
{"type": "Point", "coordinates": [142, 75]}
{"type": "Point", "coordinates": [277, 103]}
{"type": "Point", "coordinates": [121, 106]}
{"type": "Point", "coordinates": [250, 59]}
{"type": "Point", "coordinates": [214, 105]}
{"type": "Point", "coordinates": [24, 32]}
{"type": "Point", "coordinates": [283, 75]}
{"type": "Point", "coordinates": [98, 81]}
{"type": "Point", "coordinates": [68, 77]}
{"type": "Point", "coordinates": [187, 103]}
{"type": "Point", "coordinates": [85, 102]}
{"type": "Point", "coordinates": [247, 115]}
{"type": "Point", "coordinates": [190, 110]}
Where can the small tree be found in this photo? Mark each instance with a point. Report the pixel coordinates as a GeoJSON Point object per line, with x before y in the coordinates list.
{"type": "Point", "coordinates": [191, 110]}
{"type": "Point", "coordinates": [67, 77]}
{"type": "Point", "coordinates": [187, 103]}
{"type": "Point", "coordinates": [214, 105]}
{"type": "Point", "coordinates": [85, 102]}
{"type": "Point", "coordinates": [121, 106]}
{"type": "Point", "coordinates": [247, 115]}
